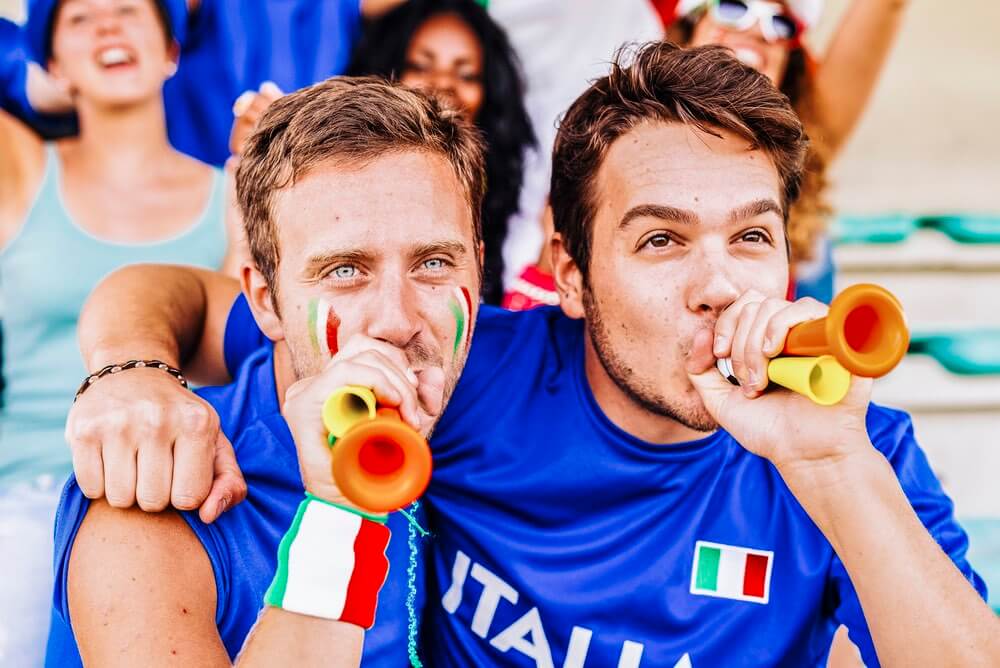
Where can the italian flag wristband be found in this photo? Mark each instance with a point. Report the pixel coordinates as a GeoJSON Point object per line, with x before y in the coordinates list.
{"type": "Point", "coordinates": [331, 563]}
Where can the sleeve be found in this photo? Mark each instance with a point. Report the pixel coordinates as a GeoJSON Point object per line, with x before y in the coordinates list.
{"type": "Point", "coordinates": [894, 438]}
{"type": "Point", "coordinates": [72, 509]}
{"type": "Point", "coordinates": [14, 88]}
{"type": "Point", "coordinates": [243, 337]}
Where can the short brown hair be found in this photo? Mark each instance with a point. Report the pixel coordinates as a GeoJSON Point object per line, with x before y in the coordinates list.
{"type": "Point", "coordinates": [350, 120]}
{"type": "Point", "coordinates": [705, 87]}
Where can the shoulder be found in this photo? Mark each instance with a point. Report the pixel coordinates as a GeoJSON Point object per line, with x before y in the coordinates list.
{"type": "Point", "coordinates": [889, 429]}
{"type": "Point", "coordinates": [140, 583]}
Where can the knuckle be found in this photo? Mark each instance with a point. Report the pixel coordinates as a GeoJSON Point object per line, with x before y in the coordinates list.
{"type": "Point", "coordinates": [151, 503]}
{"type": "Point", "coordinates": [119, 498]}
{"type": "Point", "coordinates": [185, 500]}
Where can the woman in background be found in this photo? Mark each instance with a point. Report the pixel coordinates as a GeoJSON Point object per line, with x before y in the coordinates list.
{"type": "Point", "coordinates": [70, 213]}
{"type": "Point", "coordinates": [455, 49]}
{"type": "Point", "coordinates": [830, 94]}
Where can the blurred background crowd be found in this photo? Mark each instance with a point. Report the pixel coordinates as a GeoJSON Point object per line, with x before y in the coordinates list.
{"type": "Point", "coordinates": [121, 120]}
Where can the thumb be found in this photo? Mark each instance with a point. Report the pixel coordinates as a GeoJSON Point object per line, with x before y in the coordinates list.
{"type": "Point", "coordinates": [714, 390]}
{"type": "Point", "coordinates": [430, 390]}
{"type": "Point", "coordinates": [228, 485]}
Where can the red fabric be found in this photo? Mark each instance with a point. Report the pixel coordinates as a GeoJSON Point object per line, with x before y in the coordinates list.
{"type": "Point", "coordinates": [515, 300]}
{"type": "Point", "coordinates": [667, 9]}
{"type": "Point", "coordinates": [370, 570]}
{"type": "Point", "coordinates": [755, 575]}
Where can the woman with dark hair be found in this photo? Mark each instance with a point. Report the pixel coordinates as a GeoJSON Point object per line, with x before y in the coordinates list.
{"type": "Point", "coordinates": [455, 49]}
{"type": "Point", "coordinates": [830, 95]}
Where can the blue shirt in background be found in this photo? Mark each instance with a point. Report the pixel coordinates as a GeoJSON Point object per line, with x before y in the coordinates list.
{"type": "Point", "coordinates": [14, 90]}
{"type": "Point", "coordinates": [242, 545]}
{"type": "Point", "coordinates": [230, 46]}
{"type": "Point", "coordinates": [236, 45]}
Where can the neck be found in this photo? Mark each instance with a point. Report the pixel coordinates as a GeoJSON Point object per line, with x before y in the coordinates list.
{"type": "Point", "coordinates": [284, 374]}
{"type": "Point", "coordinates": [626, 412]}
{"type": "Point", "coordinates": [126, 141]}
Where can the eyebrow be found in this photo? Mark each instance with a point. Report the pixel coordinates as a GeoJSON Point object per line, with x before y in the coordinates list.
{"type": "Point", "coordinates": [756, 208]}
{"type": "Point", "coordinates": [686, 217]}
{"type": "Point", "coordinates": [316, 263]}
{"type": "Point", "coordinates": [669, 213]}
{"type": "Point", "coordinates": [455, 248]}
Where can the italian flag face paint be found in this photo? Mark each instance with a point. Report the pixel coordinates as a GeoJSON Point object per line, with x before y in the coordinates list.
{"type": "Point", "coordinates": [728, 571]}
{"type": "Point", "coordinates": [461, 308]}
{"type": "Point", "coordinates": [323, 326]}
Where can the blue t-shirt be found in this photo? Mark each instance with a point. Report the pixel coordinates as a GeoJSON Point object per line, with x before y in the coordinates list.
{"type": "Point", "coordinates": [14, 89]}
{"type": "Point", "coordinates": [232, 46]}
{"type": "Point", "coordinates": [561, 540]}
{"type": "Point", "coordinates": [242, 544]}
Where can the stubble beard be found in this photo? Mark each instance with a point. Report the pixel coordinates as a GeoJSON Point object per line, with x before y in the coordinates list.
{"type": "Point", "coordinates": [637, 391]}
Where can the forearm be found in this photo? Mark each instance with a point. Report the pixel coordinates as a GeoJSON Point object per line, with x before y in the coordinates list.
{"type": "Point", "coordinates": [285, 638]}
{"type": "Point", "coordinates": [158, 312]}
{"type": "Point", "coordinates": [919, 607]}
{"type": "Point", "coordinates": [852, 65]}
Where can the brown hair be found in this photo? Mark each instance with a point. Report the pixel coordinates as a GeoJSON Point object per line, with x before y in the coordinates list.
{"type": "Point", "coordinates": [704, 87]}
{"type": "Point", "coordinates": [351, 120]}
{"type": "Point", "coordinates": [810, 215]}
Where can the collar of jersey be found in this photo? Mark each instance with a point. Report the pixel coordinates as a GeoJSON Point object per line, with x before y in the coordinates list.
{"type": "Point", "coordinates": [660, 451]}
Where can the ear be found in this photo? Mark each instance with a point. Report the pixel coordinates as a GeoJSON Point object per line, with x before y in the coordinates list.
{"type": "Point", "coordinates": [569, 279]}
{"type": "Point", "coordinates": [261, 302]}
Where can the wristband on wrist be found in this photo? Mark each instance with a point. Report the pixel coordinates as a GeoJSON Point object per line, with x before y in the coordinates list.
{"type": "Point", "coordinates": [331, 564]}
{"type": "Point", "coordinates": [125, 366]}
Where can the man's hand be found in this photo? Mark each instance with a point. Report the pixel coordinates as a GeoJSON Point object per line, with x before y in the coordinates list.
{"type": "Point", "coordinates": [138, 436]}
{"type": "Point", "coordinates": [247, 110]}
{"type": "Point", "coordinates": [369, 363]}
{"type": "Point", "coordinates": [782, 426]}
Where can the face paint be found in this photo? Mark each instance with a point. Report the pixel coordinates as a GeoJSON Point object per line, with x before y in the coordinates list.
{"type": "Point", "coordinates": [461, 308]}
{"type": "Point", "coordinates": [323, 326]}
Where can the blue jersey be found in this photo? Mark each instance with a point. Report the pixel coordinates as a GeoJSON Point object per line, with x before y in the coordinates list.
{"type": "Point", "coordinates": [14, 88]}
{"type": "Point", "coordinates": [562, 540]}
{"type": "Point", "coordinates": [242, 544]}
{"type": "Point", "coordinates": [233, 45]}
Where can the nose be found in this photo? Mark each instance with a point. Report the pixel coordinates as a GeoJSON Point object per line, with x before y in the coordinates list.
{"type": "Point", "coordinates": [393, 314]}
{"type": "Point", "coordinates": [713, 287]}
{"type": "Point", "coordinates": [107, 22]}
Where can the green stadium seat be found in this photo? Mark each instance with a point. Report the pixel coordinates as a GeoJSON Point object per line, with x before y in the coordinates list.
{"type": "Point", "coordinates": [894, 228]}
{"type": "Point", "coordinates": [971, 352]}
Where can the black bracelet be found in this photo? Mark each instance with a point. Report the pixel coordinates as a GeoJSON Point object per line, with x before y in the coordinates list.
{"type": "Point", "coordinates": [131, 364]}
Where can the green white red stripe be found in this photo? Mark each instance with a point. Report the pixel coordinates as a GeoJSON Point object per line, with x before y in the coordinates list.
{"type": "Point", "coordinates": [461, 309]}
{"type": "Point", "coordinates": [729, 571]}
{"type": "Point", "coordinates": [323, 326]}
{"type": "Point", "coordinates": [331, 564]}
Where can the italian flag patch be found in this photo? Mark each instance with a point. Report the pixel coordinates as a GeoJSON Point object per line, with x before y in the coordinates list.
{"type": "Point", "coordinates": [729, 571]}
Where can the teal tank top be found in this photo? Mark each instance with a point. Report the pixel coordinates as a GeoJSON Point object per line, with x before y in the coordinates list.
{"type": "Point", "coordinates": [46, 273]}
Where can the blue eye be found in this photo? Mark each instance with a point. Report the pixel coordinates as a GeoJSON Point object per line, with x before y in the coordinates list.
{"type": "Point", "coordinates": [345, 271]}
{"type": "Point", "coordinates": [434, 264]}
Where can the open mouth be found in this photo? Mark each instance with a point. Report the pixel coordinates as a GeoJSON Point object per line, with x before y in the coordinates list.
{"type": "Point", "coordinates": [115, 58]}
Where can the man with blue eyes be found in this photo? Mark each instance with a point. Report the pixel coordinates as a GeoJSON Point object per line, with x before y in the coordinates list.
{"type": "Point", "coordinates": [334, 173]}
{"type": "Point", "coordinates": [601, 495]}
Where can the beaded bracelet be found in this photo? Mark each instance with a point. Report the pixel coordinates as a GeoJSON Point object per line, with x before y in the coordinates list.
{"type": "Point", "coordinates": [131, 364]}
